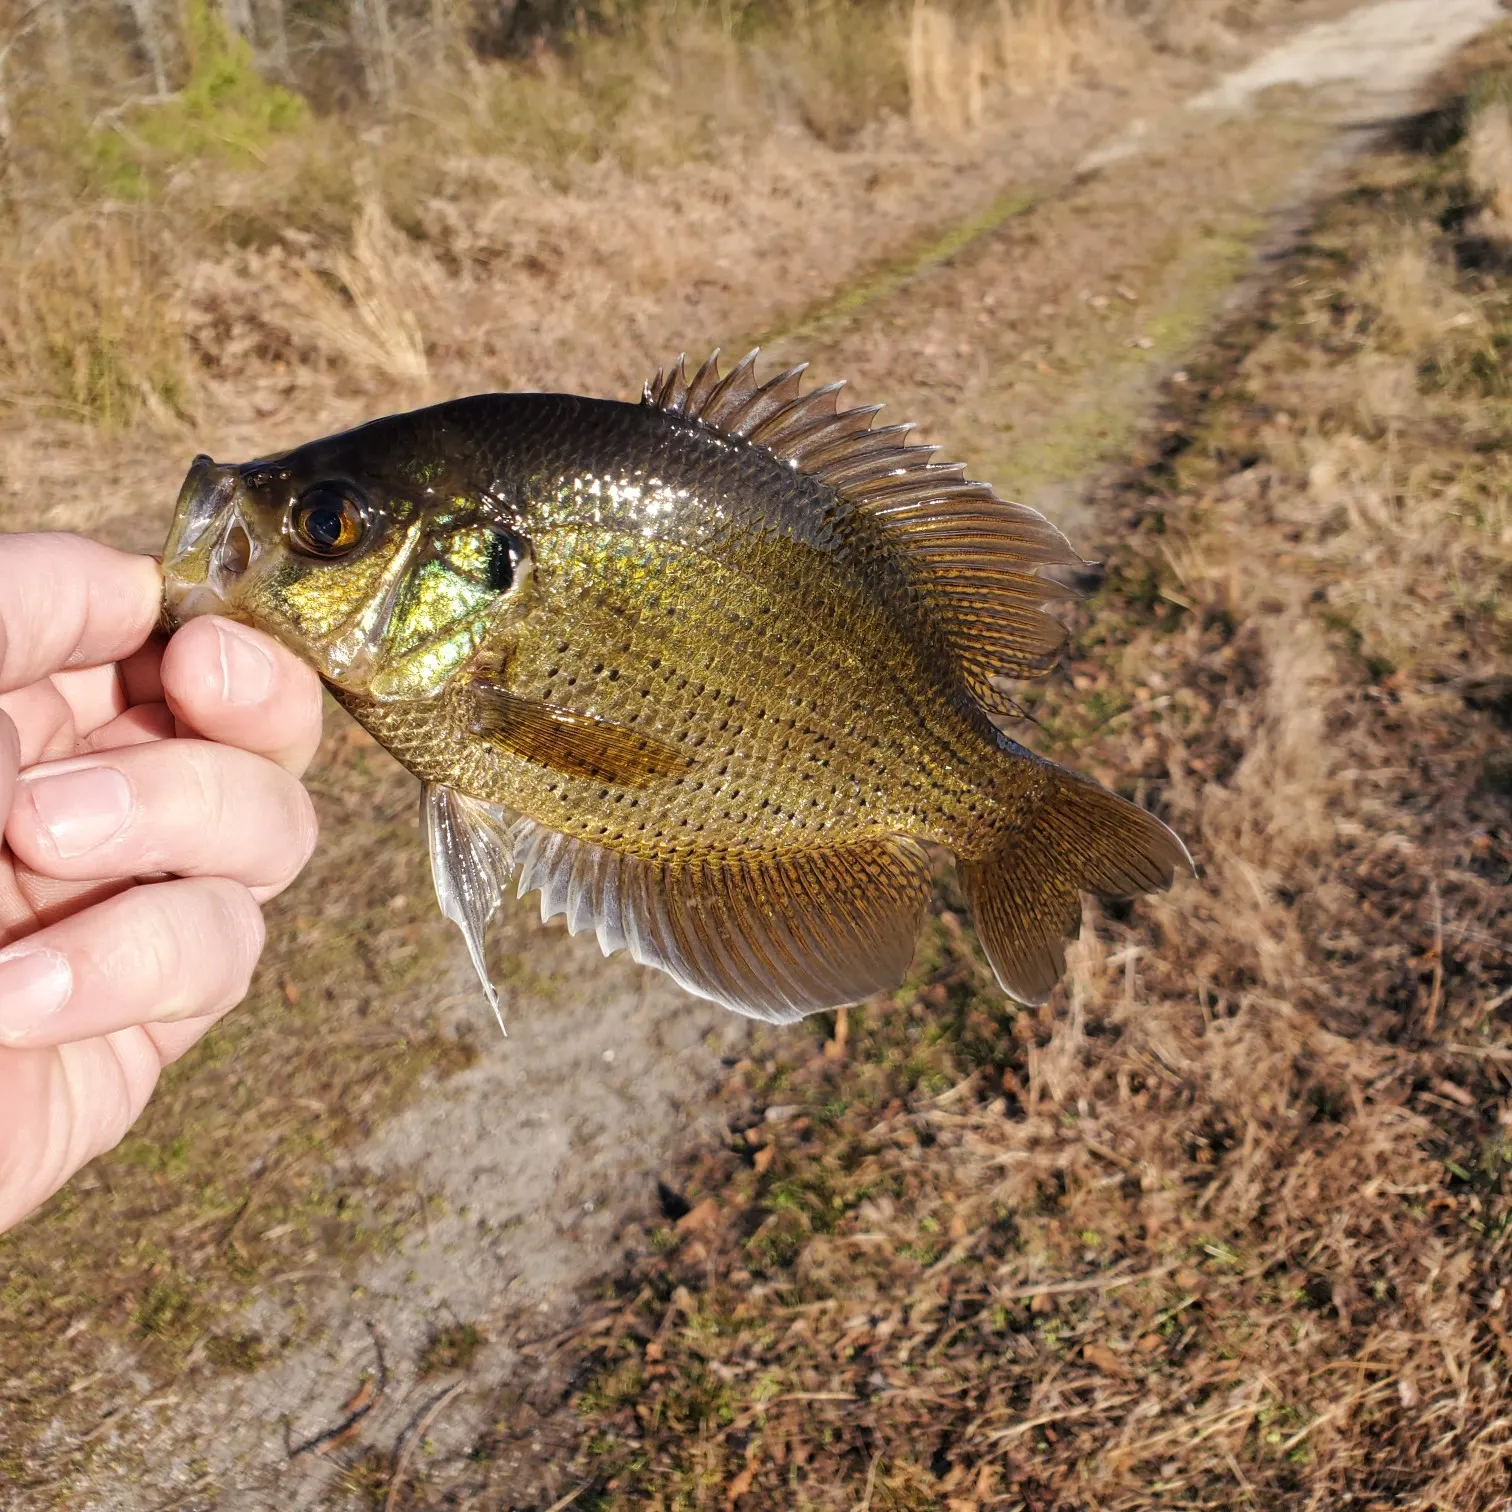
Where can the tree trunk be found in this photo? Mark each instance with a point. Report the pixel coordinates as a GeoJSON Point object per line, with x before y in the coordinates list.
{"type": "Point", "coordinates": [275, 31]}
{"type": "Point", "coordinates": [152, 42]}
{"type": "Point", "coordinates": [375, 47]}
{"type": "Point", "coordinates": [237, 14]}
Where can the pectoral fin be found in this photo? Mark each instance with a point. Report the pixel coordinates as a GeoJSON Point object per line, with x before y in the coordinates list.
{"type": "Point", "coordinates": [471, 863]}
{"type": "Point", "coordinates": [581, 745]}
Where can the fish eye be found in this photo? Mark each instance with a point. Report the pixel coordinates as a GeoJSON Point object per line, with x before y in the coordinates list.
{"type": "Point", "coordinates": [327, 520]}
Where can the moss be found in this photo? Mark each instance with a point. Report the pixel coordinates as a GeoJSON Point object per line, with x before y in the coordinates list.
{"type": "Point", "coordinates": [826, 319]}
{"type": "Point", "coordinates": [224, 109]}
{"type": "Point", "coordinates": [451, 1348]}
{"type": "Point", "coordinates": [238, 1352]}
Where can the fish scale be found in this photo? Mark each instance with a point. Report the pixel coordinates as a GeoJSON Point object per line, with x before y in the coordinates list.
{"type": "Point", "coordinates": [706, 672]}
{"type": "Point", "coordinates": [754, 781]}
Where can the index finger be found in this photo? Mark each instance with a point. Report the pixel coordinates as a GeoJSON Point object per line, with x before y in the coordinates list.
{"type": "Point", "coordinates": [66, 601]}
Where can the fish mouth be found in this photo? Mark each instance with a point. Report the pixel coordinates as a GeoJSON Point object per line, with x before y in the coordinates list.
{"type": "Point", "coordinates": [210, 545]}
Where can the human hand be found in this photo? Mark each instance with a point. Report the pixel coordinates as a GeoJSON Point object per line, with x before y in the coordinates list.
{"type": "Point", "coordinates": [151, 802]}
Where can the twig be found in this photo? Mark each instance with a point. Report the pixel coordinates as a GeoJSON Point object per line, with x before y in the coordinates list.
{"type": "Point", "coordinates": [810, 1396]}
{"type": "Point", "coordinates": [1483, 1052]}
{"type": "Point", "coordinates": [248, 1198]}
{"type": "Point", "coordinates": [1092, 1283]}
{"type": "Point", "coordinates": [960, 1089]}
{"type": "Point", "coordinates": [402, 1454]}
{"type": "Point", "coordinates": [1217, 1425]}
{"type": "Point", "coordinates": [1031, 1424]}
{"type": "Point", "coordinates": [1239, 1475]}
{"type": "Point", "coordinates": [1317, 1422]}
{"type": "Point", "coordinates": [112, 115]}
{"type": "Point", "coordinates": [324, 1441]}
{"type": "Point", "coordinates": [871, 1482]}
{"type": "Point", "coordinates": [1436, 996]}
{"type": "Point", "coordinates": [563, 1502]}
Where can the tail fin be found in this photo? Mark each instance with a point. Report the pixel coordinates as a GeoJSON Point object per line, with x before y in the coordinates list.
{"type": "Point", "coordinates": [1024, 896]}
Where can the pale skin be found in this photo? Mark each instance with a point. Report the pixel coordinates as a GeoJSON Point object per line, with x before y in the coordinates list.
{"type": "Point", "coordinates": [152, 805]}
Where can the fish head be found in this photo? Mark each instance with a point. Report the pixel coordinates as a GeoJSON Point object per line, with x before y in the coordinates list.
{"type": "Point", "coordinates": [384, 571]}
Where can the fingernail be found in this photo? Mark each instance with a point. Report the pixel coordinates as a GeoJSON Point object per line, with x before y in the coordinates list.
{"type": "Point", "coordinates": [246, 669]}
{"type": "Point", "coordinates": [80, 809]}
{"type": "Point", "coordinates": [34, 984]}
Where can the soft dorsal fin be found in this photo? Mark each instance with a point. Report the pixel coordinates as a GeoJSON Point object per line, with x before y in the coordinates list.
{"type": "Point", "coordinates": [973, 558]}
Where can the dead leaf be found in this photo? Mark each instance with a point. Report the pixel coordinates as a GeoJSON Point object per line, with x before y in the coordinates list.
{"type": "Point", "coordinates": [1103, 1358]}
{"type": "Point", "coordinates": [764, 1158]}
{"type": "Point", "coordinates": [700, 1217]}
{"type": "Point", "coordinates": [834, 1049]}
{"type": "Point", "coordinates": [741, 1484]}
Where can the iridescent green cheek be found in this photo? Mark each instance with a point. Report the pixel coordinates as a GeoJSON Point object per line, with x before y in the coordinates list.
{"type": "Point", "coordinates": [437, 625]}
{"type": "Point", "coordinates": [321, 601]}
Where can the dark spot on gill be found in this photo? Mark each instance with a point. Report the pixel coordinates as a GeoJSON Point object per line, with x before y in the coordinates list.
{"type": "Point", "coordinates": [503, 558]}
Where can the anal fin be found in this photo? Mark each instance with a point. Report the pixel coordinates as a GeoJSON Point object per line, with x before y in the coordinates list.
{"type": "Point", "coordinates": [774, 936]}
{"type": "Point", "coordinates": [471, 864]}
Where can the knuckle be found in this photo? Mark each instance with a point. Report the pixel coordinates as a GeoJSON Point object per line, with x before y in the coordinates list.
{"type": "Point", "coordinates": [200, 796]}
{"type": "Point", "coordinates": [296, 832]}
{"type": "Point", "coordinates": [237, 932]}
{"type": "Point", "coordinates": [160, 959]}
{"type": "Point", "coordinates": [190, 668]}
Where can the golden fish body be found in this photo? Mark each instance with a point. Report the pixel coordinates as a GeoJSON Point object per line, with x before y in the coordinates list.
{"type": "Point", "coordinates": [778, 697]}
{"type": "Point", "coordinates": [706, 671]}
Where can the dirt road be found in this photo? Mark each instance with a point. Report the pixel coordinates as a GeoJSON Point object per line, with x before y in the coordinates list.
{"type": "Point", "coordinates": [514, 1183]}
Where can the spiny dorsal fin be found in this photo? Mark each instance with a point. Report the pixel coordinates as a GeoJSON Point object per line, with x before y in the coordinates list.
{"type": "Point", "coordinates": [973, 557]}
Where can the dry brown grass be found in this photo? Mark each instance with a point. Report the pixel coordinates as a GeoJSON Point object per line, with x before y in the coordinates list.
{"type": "Point", "coordinates": [1229, 1222]}
{"type": "Point", "coordinates": [363, 311]}
{"type": "Point", "coordinates": [1490, 163]}
{"type": "Point", "coordinates": [250, 209]}
{"type": "Point", "coordinates": [549, 290]}
{"type": "Point", "coordinates": [1255, 1083]}
{"type": "Point", "coordinates": [91, 330]}
{"type": "Point", "coordinates": [957, 66]}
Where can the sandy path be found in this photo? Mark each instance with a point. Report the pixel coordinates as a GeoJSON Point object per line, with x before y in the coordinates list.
{"type": "Point", "coordinates": [1365, 61]}
{"type": "Point", "coordinates": [538, 1165]}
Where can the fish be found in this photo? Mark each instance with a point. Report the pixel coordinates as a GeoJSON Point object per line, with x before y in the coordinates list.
{"type": "Point", "coordinates": [711, 672]}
